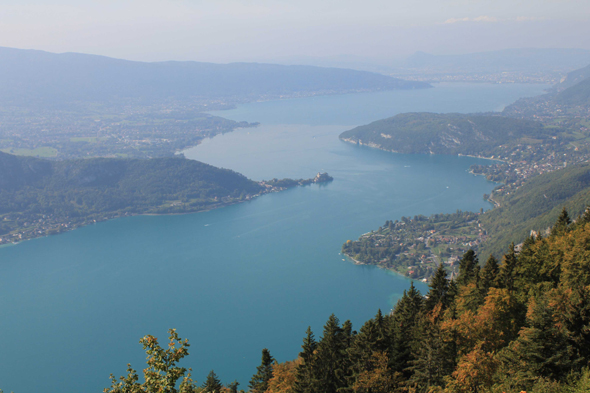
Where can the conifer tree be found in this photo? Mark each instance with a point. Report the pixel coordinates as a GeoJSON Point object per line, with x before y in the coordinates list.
{"type": "Point", "coordinates": [439, 288]}
{"type": "Point", "coordinates": [508, 268]}
{"type": "Point", "coordinates": [233, 387]}
{"type": "Point", "coordinates": [528, 243]}
{"type": "Point", "coordinates": [370, 339]}
{"type": "Point", "coordinates": [541, 349]}
{"type": "Point", "coordinates": [359, 353]}
{"type": "Point", "coordinates": [430, 362]}
{"type": "Point", "coordinates": [259, 381]}
{"type": "Point", "coordinates": [451, 293]}
{"type": "Point", "coordinates": [403, 329]}
{"type": "Point", "coordinates": [347, 333]}
{"type": "Point", "coordinates": [212, 384]}
{"type": "Point", "coordinates": [330, 369]}
{"type": "Point", "coordinates": [305, 381]}
{"type": "Point", "coordinates": [489, 274]}
{"type": "Point", "coordinates": [562, 224]}
{"type": "Point", "coordinates": [467, 268]}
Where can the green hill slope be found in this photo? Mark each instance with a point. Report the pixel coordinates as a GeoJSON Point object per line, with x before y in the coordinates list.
{"type": "Point", "coordinates": [432, 133]}
{"type": "Point", "coordinates": [536, 206]}
{"type": "Point", "coordinates": [573, 78]}
{"type": "Point", "coordinates": [48, 195]}
{"type": "Point", "coordinates": [576, 95]}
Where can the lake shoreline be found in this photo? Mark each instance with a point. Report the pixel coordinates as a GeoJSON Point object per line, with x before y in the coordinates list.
{"type": "Point", "coordinates": [270, 189]}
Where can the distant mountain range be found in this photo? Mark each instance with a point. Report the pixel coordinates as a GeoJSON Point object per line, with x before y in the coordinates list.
{"type": "Point", "coordinates": [525, 60]}
{"type": "Point", "coordinates": [32, 77]}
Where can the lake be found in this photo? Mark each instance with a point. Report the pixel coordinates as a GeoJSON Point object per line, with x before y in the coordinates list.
{"type": "Point", "coordinates": [245, 277]}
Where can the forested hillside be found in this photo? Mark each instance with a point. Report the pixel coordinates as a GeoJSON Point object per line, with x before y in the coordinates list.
{"type": "Point", "coordinates": [535, 206]}
{"type": "Point", "coordinates": [50, 196]}
{"type": "Point", "coordinates": [573, 78]}
{"type": "Point", "coordinates": [432, 133]}
{"type": "Point", "coordinates": [576, 95]}
{"type": "Point", "coordinates": [519, 324]}
{"type": "Point", "coordinates": [565, 103]}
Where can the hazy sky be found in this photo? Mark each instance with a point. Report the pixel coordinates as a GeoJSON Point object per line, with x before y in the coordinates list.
{"type": "Point", "coordinates": [259, 30]}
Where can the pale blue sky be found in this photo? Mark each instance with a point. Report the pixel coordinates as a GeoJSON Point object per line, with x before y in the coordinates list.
{"type": "Point", "coordinates": [263, 30]}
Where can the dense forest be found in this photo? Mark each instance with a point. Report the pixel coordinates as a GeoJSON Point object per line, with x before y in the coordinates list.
{"type": "Point", "coordinates": [432, 133]}
{"type": "Point", "coordinates": [42, 196]}
{"type": "Point", "coordinates": [518, 324]}
{"type": "Point", "coordinates": [577, 95]}
{"type": "Point", "coordinates": [535, 206]}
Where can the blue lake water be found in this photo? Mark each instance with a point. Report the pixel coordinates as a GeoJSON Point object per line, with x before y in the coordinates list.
{"type": "Point", "coordinates": [244, 277]}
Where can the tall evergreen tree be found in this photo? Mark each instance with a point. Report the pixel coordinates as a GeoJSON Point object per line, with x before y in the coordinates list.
{"type": "Point", "coordinates": [212, 384]}
{"type": "Point", "coordinates": [562, 224]}
{"type": "Point", "coordinates": [371, 338]}
{"type": "Point", "coordinates": [451, 293]}
{"type": "Point", "coordinates": [330, 369]}
{"type": "Point", "coordinates": [259, 381]}
{"type": "Point", "coordinates": [541, 349]}
{"type": "Point", "coordinates": [347, 333]}
{"type": "Point", "coordinates": [490, 274]}
{"type": "Point", "coordinates": [439, 288]}
{"type": "Point", "coordinates": [508, 268]}
{"type": "Point", "coordinates": [304, 380]}
{"type": "Point", "coordinates": [403, 329]}
{"type": "Point", "coordinates": [467, 268]}
{"type": "Point", "coordinates": [431, 362]}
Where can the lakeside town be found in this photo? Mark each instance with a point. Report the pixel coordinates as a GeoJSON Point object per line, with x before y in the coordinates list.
{"type": "Point", "coordinates": [415, 247]}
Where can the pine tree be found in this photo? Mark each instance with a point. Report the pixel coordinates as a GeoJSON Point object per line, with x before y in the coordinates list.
{"type": "Point", "coordinates": [562, 224]}
{"type": "Point", "coordinates": [330, 369]}
{"type": "Point", "coordinates": [489, 274]}
{"type": "Point", "coordinates": [439, 288]}
{"type": "Point", "coordinates": [259, 381]}
{"type": "Point", "coordinates": [370, 339]}
{"type": "Point", "coordinates": [430, 362]}
{"type": "Point", "coordinates": [304, 381]}
{"type": "Point", "coordinates": [233, 387]}
{"type": "Point", "coordinates": [451, 293]}
{"type": "Point", "coordinates": [212, 384]}
{"type": "Point", "coordinates": [541, 349]}
{"type": "Point", "coordinates": [403, 327]}
{"type": "Point", "coordinates": [347, 333]}
{"type": "Point", "coordinates": [507, 270]}
{"type": "Point", "coordinates": [467, 268]}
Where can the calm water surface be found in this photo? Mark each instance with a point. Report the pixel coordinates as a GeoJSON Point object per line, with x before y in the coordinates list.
{"type": "Point", "coordinates": [242, 278]}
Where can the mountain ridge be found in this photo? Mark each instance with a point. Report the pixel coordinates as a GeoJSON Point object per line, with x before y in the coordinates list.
{"type": "Point", "coordinates": [43, 78]}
